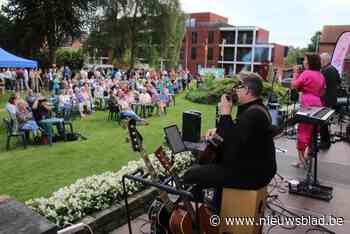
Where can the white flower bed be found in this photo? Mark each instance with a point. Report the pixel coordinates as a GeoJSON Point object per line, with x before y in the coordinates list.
{"type": "Point", "coordinates": [97, 192]}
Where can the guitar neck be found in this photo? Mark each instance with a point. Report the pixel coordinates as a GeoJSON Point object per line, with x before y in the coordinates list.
{"type": "Point", "coordinates": [136, 142]}
{"type": "Point", "coordinates": [148, 164]}
{"type": "Point", "coordinates": [163, 195]}
{"type": "Point", "coordinates": [169, 170]}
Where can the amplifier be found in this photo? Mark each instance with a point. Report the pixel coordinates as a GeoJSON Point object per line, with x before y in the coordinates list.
{"type": "Point", "coordinates": [191, 125]}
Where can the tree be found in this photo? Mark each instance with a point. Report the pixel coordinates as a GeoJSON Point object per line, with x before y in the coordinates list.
{"type": "Point", "coordinates": [140, 29]}
{"type": "Point", "coordinates": [5, 32]}
{"type": "Point", "coordinates": [111, 30]}
{"type": "Point", "coordinates": [294, 53]}
{"type": "Point", "coordinates": [41, 23]}
{"type": "Point", "coordinates": [138, 13]}
{"type": "Point", "coordinates": [74, 58]}
{"type": "Point", "coordinates": [170, 31]}
{"type": "Point", "coordinates": [315, 41]}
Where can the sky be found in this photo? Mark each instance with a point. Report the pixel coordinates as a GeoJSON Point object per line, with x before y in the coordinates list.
{"type": "Point", "coordinates": [290, 23]}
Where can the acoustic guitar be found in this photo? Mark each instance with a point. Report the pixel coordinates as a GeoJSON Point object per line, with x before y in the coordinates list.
{"type": "Point", "coordinates": [183, 219]}
{"type": "Point", "coordinates": [209, 153]}
{"type": "Point", "coordinates": [161, 208]}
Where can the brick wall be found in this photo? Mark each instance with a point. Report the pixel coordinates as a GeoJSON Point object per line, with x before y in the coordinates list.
{"type": "Point", "coordinates": [262, 36]}
{"type": "Point", "coordinates": [327, 48]}
{"type": "Point", "coordinates": [202, 36]}
{"type": "Point", "coordinates": [207, 16]}
{"type": "Point", "coordinates": [278, 55]}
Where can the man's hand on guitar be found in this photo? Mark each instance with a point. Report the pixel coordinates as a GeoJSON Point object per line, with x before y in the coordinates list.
{"type": "Point", "coordinates": [210, 133]}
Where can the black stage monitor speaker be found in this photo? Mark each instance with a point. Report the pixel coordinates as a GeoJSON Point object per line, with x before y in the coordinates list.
{"type": "Point", "coordinates": [191, 125]}
{"type": "Point", "coordinates": [17, 218]}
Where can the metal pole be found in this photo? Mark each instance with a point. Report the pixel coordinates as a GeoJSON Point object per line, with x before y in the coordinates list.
{"type": "Point", "coordinates": [126, 205]}
{"type": "Point", "coordinates": [223, 53]}
{"type": "Point", "coordinates": [205, 53]}
{"type": "Point", "coordinates": [186, 50]}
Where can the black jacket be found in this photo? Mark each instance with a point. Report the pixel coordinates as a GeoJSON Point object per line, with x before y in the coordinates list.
{"type": "Point", "coordinates": [246, 158]}
{"type": "Point", "coordinates": [332, 77]}
{"type": "Point", "coordinates": [248, 145]}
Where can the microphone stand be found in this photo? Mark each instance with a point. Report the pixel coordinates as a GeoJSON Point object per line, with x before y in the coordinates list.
{"type": "Point", "coordinates": [287, 116]}
{"type": "Point", "coordinates": [290, 133]}
{"type": "Point", "coordinates": [217, 116]}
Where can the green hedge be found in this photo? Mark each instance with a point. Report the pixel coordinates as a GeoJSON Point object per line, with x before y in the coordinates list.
{"type": "Point", "coordinates": [74, 58]}
{"type": "Point", "coordinates": [211, 90]}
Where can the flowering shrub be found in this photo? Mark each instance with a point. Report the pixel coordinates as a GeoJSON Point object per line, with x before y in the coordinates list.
{"type": "Point", "coordinates": [97, 192]}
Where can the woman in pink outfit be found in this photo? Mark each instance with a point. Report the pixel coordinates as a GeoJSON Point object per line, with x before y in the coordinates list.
{"type": "Point", "coordinates": [311, 84]}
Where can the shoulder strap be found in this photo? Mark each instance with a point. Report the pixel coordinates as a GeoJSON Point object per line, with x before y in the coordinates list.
{"type": "Point", "coordinates": [259, 107]}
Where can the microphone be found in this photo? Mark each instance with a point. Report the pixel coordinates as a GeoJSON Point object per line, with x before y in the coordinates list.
{"type": "Point", "coordinates": [232, 96]}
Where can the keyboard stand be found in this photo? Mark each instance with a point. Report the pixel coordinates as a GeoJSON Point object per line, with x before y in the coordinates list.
{"type": "Point", "coordinates": [310, 187]}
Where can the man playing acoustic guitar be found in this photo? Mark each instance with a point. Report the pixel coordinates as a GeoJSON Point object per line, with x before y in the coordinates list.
{"type": "Point", "coordinates": [246, 157]}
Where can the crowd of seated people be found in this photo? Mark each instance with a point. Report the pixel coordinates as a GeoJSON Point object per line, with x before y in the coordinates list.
{"type": "Point", "coordinates": [84, 92]}
{"type": "Point", "coordinates": [87, 91]}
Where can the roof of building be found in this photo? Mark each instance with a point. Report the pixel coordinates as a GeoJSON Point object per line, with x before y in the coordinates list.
{"type": "Point", "coordinates": [213, 24]}
{"type": "Point", "coordinates": [330, 33]}
{"type": "Point", "coordinates": [194, 14]}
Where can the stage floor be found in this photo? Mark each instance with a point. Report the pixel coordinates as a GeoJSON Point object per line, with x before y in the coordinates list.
{"type": "Point", "coordinates": [333, 170]}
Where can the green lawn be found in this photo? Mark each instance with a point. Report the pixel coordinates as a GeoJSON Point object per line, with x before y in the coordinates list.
{"type": "Point", "coordinates": [41, 170]}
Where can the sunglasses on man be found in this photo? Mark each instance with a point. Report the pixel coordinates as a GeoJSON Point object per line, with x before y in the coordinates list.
{"type": "Point", "coordinates": [239, 85]}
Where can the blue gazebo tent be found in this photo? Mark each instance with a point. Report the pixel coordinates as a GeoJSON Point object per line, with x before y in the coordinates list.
{"type": "Point", "coordinates": [9, 60]}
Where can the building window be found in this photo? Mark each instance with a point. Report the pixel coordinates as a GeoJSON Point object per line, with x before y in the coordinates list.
{"type": "Point", "coordinates": [229, 53]}
{"type": "Point", "coordinates": [244, 54]}
{"type": "Point", "coordinates": [229, 36]}
{"type": "Point", "coordinates": [230, 69]}
{"type": "Point", "coordinates": [193, 23]}
{"type": "Point", "coordinates": [194, 37]}
{"type": "Point", "coordinates": [210, 54]}
{"type": "Point", "coordinates": [261, 54]}
{"type": "Point", "coordinates": [190, 23]}
{"type": "Point", "coordinates": [182, 54]}
{"type": "Point", "coordinates": [210, 37]}
{"type": "Point", "coordinates": [243, 68]}
{"type": "Point", "coordinates": [193, 53]}
{"type": "Point", "coordinates": [199, 67]}
{"type": "Point", "coordinates": [245, 37]}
